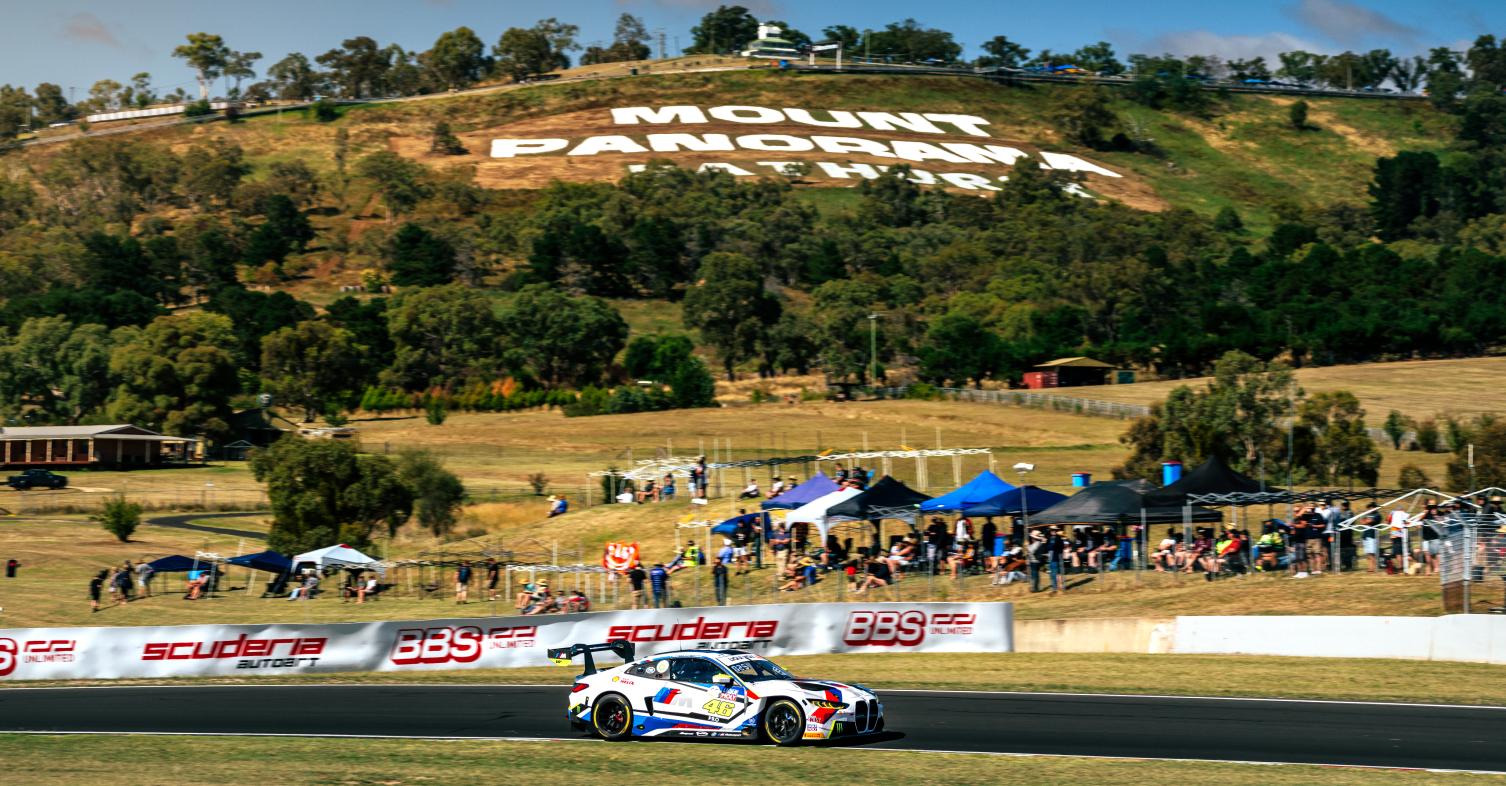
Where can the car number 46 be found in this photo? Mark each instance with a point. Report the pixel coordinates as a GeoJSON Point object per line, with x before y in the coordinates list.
{"type": "Point", "coordinates": [719, 708]}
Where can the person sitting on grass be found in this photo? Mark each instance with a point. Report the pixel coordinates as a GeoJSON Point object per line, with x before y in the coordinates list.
{"type": "Point", "coordinates": [901, 554]}
{"type": "Point", "coordinates": [525, 596]}
{"type": "Point", "coordinates": [540, 601]}
{"type": "Point", "coordinates": [306, 591]}
{"type": "Point", "coordinates": [1010, 567]}
{"type": "Point", "coordinates": [681, 561]}
{"type": "Point", "coordinates": [367, 587]}
{"type": "Point", "coordinates": [751, 491]}
{"type": "Point", "coordinates": [878, 576]}
{"type": "Point", "coordinates": [577, 602]}
{"type": "Point", "coordinates": [649, 492]}
{"type": "Point", "coordinates": [667, 488]}
{"type": "Point", "coordinates": [962, 558]}
{"type": "Point", "coordinates": [558, 506]}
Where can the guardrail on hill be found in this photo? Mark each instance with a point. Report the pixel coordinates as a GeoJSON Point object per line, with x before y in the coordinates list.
{"type": "Point", "coordinates": [1035, 400]}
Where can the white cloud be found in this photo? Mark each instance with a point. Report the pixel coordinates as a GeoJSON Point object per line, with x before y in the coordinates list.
{"type": "Point", "coordinates": [1350, 24]}
{"type": "Point", "coordinates": [87, 27]}
{"type": "Point", "coordinates": [1230, 47]}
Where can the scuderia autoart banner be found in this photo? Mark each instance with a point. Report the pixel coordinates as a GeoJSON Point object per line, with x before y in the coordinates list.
{"type": "Point", "coordinates": [497, 642]}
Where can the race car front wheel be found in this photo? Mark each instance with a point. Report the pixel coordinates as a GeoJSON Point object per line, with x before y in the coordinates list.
{"type": "Point", "coordinates": [783, 723]}
{"type": "Point", "coordinates": [612, 718]}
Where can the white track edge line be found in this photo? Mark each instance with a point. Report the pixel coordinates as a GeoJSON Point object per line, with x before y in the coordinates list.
{"type": "Point", "coordinates": [866, 749]}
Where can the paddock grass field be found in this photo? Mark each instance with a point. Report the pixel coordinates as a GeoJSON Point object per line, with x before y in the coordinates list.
{"type": "Point", "coordinates": [1416, 388]}
{"type": "Point", "coordinates": [58, 760]}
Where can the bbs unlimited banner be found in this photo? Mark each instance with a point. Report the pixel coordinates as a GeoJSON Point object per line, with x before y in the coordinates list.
{"type": "Point", "coordinates": [497, 642]}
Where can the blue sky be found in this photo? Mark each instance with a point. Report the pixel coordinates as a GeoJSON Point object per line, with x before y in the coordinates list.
{"type": "Point", "coordinates": [75, 42]}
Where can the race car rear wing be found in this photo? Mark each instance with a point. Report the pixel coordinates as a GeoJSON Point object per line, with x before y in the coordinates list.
{"type": "Point", "coordinates": [563, 655]}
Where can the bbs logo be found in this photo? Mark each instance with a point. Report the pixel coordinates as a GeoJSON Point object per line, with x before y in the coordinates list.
{"type": "Point", "coordinates": [8, 656]}
{"type": "Point", "coordinates": [900, 628]}
{"type": "Point", "coordinates": [463, 644]}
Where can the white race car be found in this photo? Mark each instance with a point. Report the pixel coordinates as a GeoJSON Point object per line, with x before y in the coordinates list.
{"type": "Point", "coordinates": [729, 694]}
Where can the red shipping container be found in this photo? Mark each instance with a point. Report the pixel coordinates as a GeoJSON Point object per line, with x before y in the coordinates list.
{"type": "Point", "coordinates": [1035, 380]}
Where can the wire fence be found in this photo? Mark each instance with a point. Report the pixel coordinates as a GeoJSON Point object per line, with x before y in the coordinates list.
{"type": "Point", "coordinates": [1034, 400]}
{"type": "Point", "coordinates": [1472, 563]}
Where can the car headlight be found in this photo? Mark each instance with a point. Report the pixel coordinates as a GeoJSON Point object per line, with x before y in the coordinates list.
{"type": "Point", "coordinates": [827, 705]}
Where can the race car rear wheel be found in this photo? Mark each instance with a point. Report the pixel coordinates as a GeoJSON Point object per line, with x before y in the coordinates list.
{"type": "Point", "coordinates": [783, 722]}
{"type": "Point", "coordinates": [612, 718]}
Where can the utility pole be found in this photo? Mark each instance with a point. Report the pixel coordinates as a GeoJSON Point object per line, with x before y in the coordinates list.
{"type": "Point", "coordinates": [660, 31]}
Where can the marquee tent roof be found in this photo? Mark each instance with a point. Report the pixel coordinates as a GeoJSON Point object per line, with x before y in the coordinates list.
{"type": "Point", "coordinates": [269, 561]}
{"type": "Point", "coordinates": [1211, 477]}
{"type": "Point", "coordinates": [814, 512]}
{"type": "Point", "coordinates": [334, 556]}
{"type": "Point", "coordinates": [985, 486]}
{"type": "Point", "coordinates": [178, 563]}
{"type": "Point", "coordinates": [1114, 502]}
{"type": "Point", "coordinates": [1015, 502]}
{"type": "Point", "coordinates": [816, 487]}
{"type": "Point", "coordinates": [881, 500]}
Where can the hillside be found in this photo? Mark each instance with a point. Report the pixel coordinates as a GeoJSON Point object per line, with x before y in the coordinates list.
{"type": "Point", "coordinates": [1245, 155]}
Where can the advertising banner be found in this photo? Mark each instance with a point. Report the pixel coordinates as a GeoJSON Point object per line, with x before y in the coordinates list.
{"type": "Point", "coordinates": [497, 642]}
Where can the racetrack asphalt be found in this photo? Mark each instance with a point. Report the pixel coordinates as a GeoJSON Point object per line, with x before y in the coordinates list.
{"type": "Point", "coordinates": [182, 521]}
{"type": "Point", "coordinates": [1366, 734]}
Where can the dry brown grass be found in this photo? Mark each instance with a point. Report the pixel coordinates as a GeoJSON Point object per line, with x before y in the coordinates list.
{"type": "Point", "coordinates": [1416, 388]}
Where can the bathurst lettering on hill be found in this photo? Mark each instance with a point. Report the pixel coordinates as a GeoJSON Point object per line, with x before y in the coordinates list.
{"type": "Point", "coordinates": [947, 149]}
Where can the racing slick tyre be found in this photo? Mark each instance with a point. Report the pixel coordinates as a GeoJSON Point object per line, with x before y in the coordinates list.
{"type": "Point", "coordinates": [612, 718]}
{"type": "Point", "coordinates": [783, 723]}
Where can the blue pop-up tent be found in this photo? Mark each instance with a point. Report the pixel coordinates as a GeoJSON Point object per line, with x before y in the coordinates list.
{"type": "Point", "coordinates": [269, 561]}
{"type": "Point", "coordinates": [729, 527]}
{"type": "Point", "coordinates": [1016, 502]}
{"type": "Point", "coordinates": [980, 489]}
{"type": "Point", "coordinates": [818, 486]}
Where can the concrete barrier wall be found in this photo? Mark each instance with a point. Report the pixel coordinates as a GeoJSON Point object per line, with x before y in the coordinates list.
{"type": "Point", "coordinates": [1459, 637]}
{"type": "Point", "coordinates": [1142, 634]}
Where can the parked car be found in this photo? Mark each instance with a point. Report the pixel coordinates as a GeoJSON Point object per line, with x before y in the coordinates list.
{"type": "Point", "coordinates": [36, 478]}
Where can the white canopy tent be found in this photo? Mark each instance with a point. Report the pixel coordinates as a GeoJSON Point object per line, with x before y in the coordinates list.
{"type": "Point", "coordinates": [814, 512]}
{"type": "Point", "coordinates": [341, 556]}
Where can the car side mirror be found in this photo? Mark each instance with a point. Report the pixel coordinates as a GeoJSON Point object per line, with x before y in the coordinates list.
{"type": "Point", "coordinates": [722, 679]}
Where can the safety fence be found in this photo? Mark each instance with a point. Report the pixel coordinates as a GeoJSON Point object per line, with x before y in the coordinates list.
{"type": "Point", "coordinates": [241, 650]}
{"type": "Point", "coordinates": [1472, 563]}
{"type": "Point", "coordinates": [1034, 400]}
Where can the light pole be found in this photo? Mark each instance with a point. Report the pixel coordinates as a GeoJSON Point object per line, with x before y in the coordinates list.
{"type": "Point", "coordinates": [873, 349]}
{"type": "Point", "coordinates": [1025, 468]}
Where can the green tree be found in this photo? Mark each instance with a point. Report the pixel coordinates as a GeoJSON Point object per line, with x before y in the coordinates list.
{"type": "Point", "coordinates": [1396, 426]}
{"type": "Point", "coordinates": [1084, 117]}
{"type": "Point", "coordinates": [1228, 221]}
{"type": "Point", "coordinates": [1342, 447]}
{"type": "Point", "coordinates": [522, 52]}
{"type": "Point", "coordinates": [629, 42]}
{"type": "Point", "coordinates": [559, 339]}
{"type": "Point", "coordinates": [1099, 59]}
{"type": "Point", "coordinates": [212, 172]}
{"type": "Point", "coordinates": [444, 142]}
{"type": "Point", "coordinates": [119, 517]}
{"type": "Point", "coordinates": [255, 314]}
{"type": "Point", "coordinates": [441, 335]}
{"type": "Point", "coordinates": [1296, 114]}
{"type": "Point", "coordinates": [207, 55]}
{"type": "Point", "coordinates": [1411, 476]}
{"type": "Point", "coordinates": [402, 183]}
{"type": "Point", "coordinates": [909, 40]}
{"type": "Point", "coordinates": [846, 35]}
{"type": "Point", "coordinates": [437, 492]}
{"type": "Point", "coordinates": [1427, 435]}
{"type": "Point", "coordinates": [958, 349]}
{"type": "Point", "coordinates": [241, 66]}
{"type": "Point", "coordinates": [359, 67]}
{"type": "Point", "coordinates": [723, 30]}
{"type": "Point", "coordinates": [52, 105]}
{"type": "Point", "coordinates": [1405, 188]}
{"type": "Point", "coordinates": [1489, 441]}
{"type": "Point", "coordinates": [176, 375]}
{"type": "Point", "coordinates": [309, 365]}
{"type": "Point", "coordinates": [458, 58]}
{"type": "Point", "coordinates": [417, 257]}
{"type": "Point", "coordinates": [295, 78]}
{"type": "Point", "coordinates": [323, 492]}
{"type": "Point", "coordinates": [730, 307]}
{"type": "Point", "coordinates": [54, 371]}
{"type": "Point", "coordinates": [1003, 53]}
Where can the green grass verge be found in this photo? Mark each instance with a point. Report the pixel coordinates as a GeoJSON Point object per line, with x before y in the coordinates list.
{"type": "Point", "coordinates": [1185, 675]}
{"type": "Point", "coordinates": [224, 761]}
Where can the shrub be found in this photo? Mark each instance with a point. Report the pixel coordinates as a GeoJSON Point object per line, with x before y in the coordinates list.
{"type": "Point", "coordinates": [922, 391]}
{"type": "Point", "coordinates": [1427, 435]}
{"type": "Point", "coordinates": [539, 482]}
{"type": "Point", "coordinates": [435, 413]}
{"type": "Point", "coordinates": [325, 112]}
{"type": "Point", "coordinates": [119, 518]}
{"type": "Point", "coordinates": [198, 109]}
{"type": "Point", "coordinates": [1411, 476]}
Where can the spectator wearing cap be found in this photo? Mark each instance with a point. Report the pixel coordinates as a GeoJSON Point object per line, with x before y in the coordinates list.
{"type": "Point", "coordinates": [557, 506]}
{"type": "Point", "coordinates": [1036, 556]}
{"type": "Point", "coordinates": [1057, 548]}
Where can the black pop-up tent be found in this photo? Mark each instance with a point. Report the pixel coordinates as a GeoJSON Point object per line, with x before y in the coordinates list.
{"type": "Point", "coordinates": [1118, 503]}
{"type": "Point", "coordinates": [886, 499]}
{"type": "Point", "coordinates": [1213, 476]}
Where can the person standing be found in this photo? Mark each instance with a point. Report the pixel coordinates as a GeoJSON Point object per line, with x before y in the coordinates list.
{"type": "Point", "coordinates": [493, 575]}
{"type": "Point", "coordinates": [144, 573]}
{"type": "Point", "coordinates": [1056, 549]}
{"type": "Point", "coordinates": [636, 577]}
{"type": "Point", "coordinates": [11, 565]}
{"type": "Point", "coordinates": [658, 579]}
{"type": "Point", "coordinates": [1035, 555]}
{"type": "Point", "coordinates": [463, 583]}
{"type": "Point", "coordinates": [719, 582]}
{"type": "Point", "coordinates": [96, 585]}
